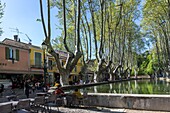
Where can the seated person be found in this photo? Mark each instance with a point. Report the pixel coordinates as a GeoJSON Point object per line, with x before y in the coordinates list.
{"type": "Point", "coordinates": [77, 94]}
{"type": "Point", "coordinates": [59, 91]}
{"type": "Point", "coordinates": [56, 84]}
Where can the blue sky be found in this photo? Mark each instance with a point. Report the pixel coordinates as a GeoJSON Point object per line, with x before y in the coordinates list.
{"type": "Point", "coordinates": [22, 14]}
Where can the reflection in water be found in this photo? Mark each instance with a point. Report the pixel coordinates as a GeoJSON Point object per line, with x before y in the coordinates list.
{"type": "Point", "coordinates": [133, 87]}
{"type": "Point", "coordinates": [135, 84]}
{"type": "Point", "coordinates": [95, 89]}
{"type": "Point", "coordinates": [118, 88]}
{"type": "Point", "coordinates": [110, 85]}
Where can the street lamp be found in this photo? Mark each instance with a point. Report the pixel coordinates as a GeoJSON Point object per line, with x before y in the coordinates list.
{"type": "Point", "coordinates": [44, 47]}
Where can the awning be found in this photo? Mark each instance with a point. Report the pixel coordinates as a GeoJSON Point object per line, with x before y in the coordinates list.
{"type": "Point", "coordinates": [36, 72]}
{"type": "Point", "coordinates": [21, 72]}
{"type": "Point", "coordinates": [14, 71]}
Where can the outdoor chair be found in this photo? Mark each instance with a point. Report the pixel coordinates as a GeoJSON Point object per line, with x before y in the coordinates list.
{"type": "Point", "coordinates": [38, 104]}
{"type": "Point", "coordinates": [85, 98]}
{"type": "Point", "coordinates": [23, 106]}
{"type": "Point", "coordinates": [51, 102]}
{"type": "Point", "coordinates": [74, 100]}
{"type": "Point", "coordinates": [59, 100]}
{"type": "Point", "coordinates": [3, 100]}
{"type": "Point", "coordinates": [23, 96]}
{"type": "Point", "coordinates": [5, 108]}
{"type": "Point", "coordinates": [32, 95]}
{"type": "Point", "coordinates": [12, 97]}
{"type": "Point", "coordinates": [79, 101]}
{"type": "Point", "coordinates": [70, 100]}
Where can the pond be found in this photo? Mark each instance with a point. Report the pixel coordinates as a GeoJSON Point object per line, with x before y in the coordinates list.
{"type": "Point", "coordinates": [133, 87]}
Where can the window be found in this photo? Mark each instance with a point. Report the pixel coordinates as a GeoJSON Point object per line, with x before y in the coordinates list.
{"type": "Point", "coordinates": [12, 54]}
{"type": "Point", "coordinates": [38, 59]}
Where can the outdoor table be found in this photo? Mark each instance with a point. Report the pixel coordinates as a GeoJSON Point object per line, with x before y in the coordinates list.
{"type": "Point", "coordinates": [41, 94]}
{"type": "Point", "coordinates": [14, 103]}
{"type": "Point", "coordinates": [30, 99]}
{"type": "Point", "coordinates": [5, 107]}
{"type": "Point", "coordinates": [69, 98]}
{"type": "Point", "coordinates": [11, 97]}
{"type": "Point", "coordinates": [46, 97]}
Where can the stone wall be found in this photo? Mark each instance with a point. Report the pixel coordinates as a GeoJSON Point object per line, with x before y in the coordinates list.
{"type": "Point", "coordinates": [134, 101]}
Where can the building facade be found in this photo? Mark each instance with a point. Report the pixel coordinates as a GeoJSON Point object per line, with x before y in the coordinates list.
{"type": "Point", "coordinates": [14, 60]}
{"type": "Point", "coordinates": [19, 61]}
{"type": "Point", "coordinates": [36, 68]}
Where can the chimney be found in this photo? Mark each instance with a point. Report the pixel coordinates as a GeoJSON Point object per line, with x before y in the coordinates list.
{"type": "Point", "coordinates": [16, 37]}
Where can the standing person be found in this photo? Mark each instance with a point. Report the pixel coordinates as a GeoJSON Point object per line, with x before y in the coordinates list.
{"type": "Point", "coordinates": [2, 89]}
{"type": "Point", "coordinates": [26, 87]}
{"type": "Point", "coordinates": [37, 85]}
{"type": "Point", "coordinates": [33, 88]}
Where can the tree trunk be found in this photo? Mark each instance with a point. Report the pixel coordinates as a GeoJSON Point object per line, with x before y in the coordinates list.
{"type": "Point", "coordinates": [64, 79]}
{"type": "Point", "coordinates": [95, 77]}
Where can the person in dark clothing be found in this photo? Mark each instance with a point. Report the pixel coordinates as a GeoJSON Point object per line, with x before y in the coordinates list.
{"type": "Point", "coordinates": [27, 89]}
{"type": "Point", "coordinates": [1, 89]}
{"type": "Point", "coordinates": [33, 88]}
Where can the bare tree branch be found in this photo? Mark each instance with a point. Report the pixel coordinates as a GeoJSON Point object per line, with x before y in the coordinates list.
{"type": "Point", "coordinates": [42, 19]}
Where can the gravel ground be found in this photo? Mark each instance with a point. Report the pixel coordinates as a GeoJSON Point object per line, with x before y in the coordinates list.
{"type": "Point", "coordinates": [99, 110]}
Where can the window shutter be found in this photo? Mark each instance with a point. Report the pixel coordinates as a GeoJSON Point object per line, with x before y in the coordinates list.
{"type": "Point", "coordinates": [17, 54]}
{"type": "Point", "coordinates": [7, 52]}
{"type": "Point", "coordinates": [37, 59]}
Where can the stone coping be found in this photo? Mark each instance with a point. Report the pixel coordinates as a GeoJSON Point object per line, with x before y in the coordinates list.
{"type": "Point", "coordinates": [130, 95]}
{"type": "Point", "coordinates": [130, 101]}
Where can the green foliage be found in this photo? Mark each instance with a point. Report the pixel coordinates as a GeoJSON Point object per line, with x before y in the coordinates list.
{"type": "Point", "coordinates": [70, 24]}
{"type": "Point", "coordinates": [149, 69]}
{"type": "Point", "coordinates": [148, 63]}
{"type": "Point", "coordinates": [58, 43]}
{"type": "Point", "coordinates": [155, 27]}
{"type": "Point", "coordinates": [128, 39]}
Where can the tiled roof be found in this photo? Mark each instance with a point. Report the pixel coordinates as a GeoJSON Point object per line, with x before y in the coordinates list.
{"type": "Point", "coordinates": [10, 45]}
{"type": "Point", "coordinates": [15, 43]}
{"type": "Point", "coordinates": [18, 44]}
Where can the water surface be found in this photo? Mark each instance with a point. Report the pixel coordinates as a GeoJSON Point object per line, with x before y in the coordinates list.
{"type": "Point", "coordinates": [133, 87]}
